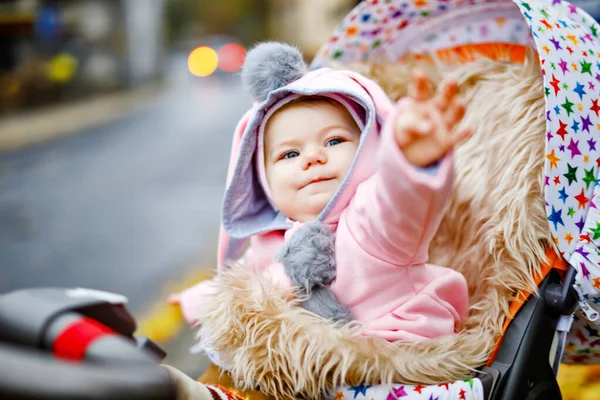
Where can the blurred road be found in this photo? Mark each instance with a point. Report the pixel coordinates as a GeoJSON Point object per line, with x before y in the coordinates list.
{"type": "Point", "coordinates": [125, 207]}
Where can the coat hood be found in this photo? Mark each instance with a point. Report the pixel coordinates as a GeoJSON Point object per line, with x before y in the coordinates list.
{"type": "Point", "coordinates": [247, 208]}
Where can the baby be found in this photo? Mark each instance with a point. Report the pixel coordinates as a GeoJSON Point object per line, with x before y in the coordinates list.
{"type": "Point", "coordinates": [339, 193]}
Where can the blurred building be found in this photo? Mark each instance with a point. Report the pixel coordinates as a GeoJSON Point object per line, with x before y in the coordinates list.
{"type": "Point", "coordinates": [59, 49]}
{"type": "Point", "coordinates": [306, 23]}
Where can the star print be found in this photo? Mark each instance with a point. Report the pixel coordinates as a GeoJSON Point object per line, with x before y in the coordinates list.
{"type": "Point", "coordinates": [581, 199]}
{"type": "Point", "coordinates": [580, 224]}
{"type": "Point", "coordinates": [556, 43]}
{"type": "Point", "coordinates": [592, 144]}
{"type": "Point", "coordinates": [585, 121]}
{"type": "Point", "coordinates": [419, 388]}
{"type": "Point", "coordinates": [591, 85]}
{"type": "Point", "coordinates": [462, 394]}
{"type": "Point", "coordinates": [589, 177]}
{"type": "Point", "coordinates": [561, 148]}
{"type": "Point", "coordinates": [563, 65]}
{"type": "Point", "coordinates": [556, 180]}
{"type": "Point", "coordinates": [571, 175]}
{"type": "Point", "coordinates": [555, 83]}
{"type": "Point", "coordinates": [557, 110]}
{"type": "Point", "coordinates": [595, 107]}
{"type": "Point", "coordinates": [556, 218]}
{"type": "Point", "coordinates": [568, 106]}
{"type": "Point", "coordinates": [339, 396]}
{"type": "Point", "coordinates": [573, 39]}
{"type": "Point", "coordinates": [361, 389]}
{"type": "Point", "coordinates": [571, 212]}
{"type": "Point", "coordinates": [396, 392]}
{"type": "Point", "coordinates": [561, 130]}
{"type": "Point", "coordinates": [596, 231]}
{"type": "Point", "coordinates": [579, 89]}
{"type": "Point", "coordinates": [563, 195]}
{"type": "Point", "coordinates": [585, 238]}
{"type": "Point", "coordinates": [584, 271]}
{"type": "Point", "coordinates": [575, 126]}
{"type": "Point", "coordinates": [526, 6]}
{"type": "Point", "coordinates": [568, 238]}
{"type": "Point", "coordinates": [596, 300]}
{"type": "Point", "coordinates": [432, 398]}
{"type": "Point", "coordinates": [573, 147]}
{"type": "Point", "coordinates": [553, 159]}
{"type": "Point", "coordinates": [586, 67]}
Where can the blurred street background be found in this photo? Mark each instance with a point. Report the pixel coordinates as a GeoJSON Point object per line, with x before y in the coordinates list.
{"type": "Point", "coordinates": [116, 119]}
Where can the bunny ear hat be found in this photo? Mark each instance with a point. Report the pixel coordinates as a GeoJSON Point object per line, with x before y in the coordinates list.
{"type": "Point", "coordinates": [275, 74]}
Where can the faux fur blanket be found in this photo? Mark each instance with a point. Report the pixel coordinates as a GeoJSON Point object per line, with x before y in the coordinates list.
{"type": "Point", "coordinates": [495, 233]}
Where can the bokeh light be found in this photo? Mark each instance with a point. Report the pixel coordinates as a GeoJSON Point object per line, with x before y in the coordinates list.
{"type": "Point", "coordinates": [203, 61]}
{"type": "Point", "coordinates": [62, 68]}
{"type": "Point", "coordinates": [231, 57]}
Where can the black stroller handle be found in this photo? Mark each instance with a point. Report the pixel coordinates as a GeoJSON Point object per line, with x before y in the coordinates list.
{"type": "Point", "coordinates": [28, 374]}
{"type": "Point", "coordinates": [58, 343]}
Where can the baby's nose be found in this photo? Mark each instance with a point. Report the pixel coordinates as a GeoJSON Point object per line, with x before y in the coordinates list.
{"type": "Point", "coordinates": [315, 156]}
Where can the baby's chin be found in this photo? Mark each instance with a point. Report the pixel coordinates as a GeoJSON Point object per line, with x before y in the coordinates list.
{"type": "Point", "coordinates": [312, 206]}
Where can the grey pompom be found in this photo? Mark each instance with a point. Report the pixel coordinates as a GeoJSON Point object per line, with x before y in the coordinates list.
{"type": "Point", "coordinates": [309, 256]}
{"type": "Point", "coordinates": [269, 66]}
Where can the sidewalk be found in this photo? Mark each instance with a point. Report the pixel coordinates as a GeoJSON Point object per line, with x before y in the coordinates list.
{"type": "Point", "coordinates": [66, 119]}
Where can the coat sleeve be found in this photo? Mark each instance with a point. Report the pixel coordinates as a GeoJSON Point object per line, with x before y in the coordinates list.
{"type": "Point", "coordinates": [396, 212]}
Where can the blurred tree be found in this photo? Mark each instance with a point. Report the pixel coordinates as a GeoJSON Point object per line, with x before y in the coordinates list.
{"type": "Point", "coordinates": [242, 19]}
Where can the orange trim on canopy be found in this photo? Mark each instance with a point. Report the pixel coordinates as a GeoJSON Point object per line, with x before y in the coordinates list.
{"type": "Point", "coordinates": [465, 53]}
{"type": "Point", "coordinates": [554, 262]}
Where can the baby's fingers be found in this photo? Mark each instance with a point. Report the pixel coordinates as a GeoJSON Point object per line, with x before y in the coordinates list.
{"type": "Point", "coordinates": [420, 87]}
{"type": "Point", "coordinates": [446, 95]}
{"type": "Point", "coordinates": [455, 113]}
{"type": "Point", "coordinates": [460, 135]}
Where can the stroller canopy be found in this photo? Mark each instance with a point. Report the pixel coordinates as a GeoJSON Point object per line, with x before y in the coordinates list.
{"type": "Point", "coordinates": [568, 45]}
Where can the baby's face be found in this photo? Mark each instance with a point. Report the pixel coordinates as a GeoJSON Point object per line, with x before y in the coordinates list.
{"type": "Point", "coordinates": [309, 147]}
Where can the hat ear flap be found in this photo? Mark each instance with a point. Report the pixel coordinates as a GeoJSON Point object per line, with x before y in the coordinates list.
{"type": "Point", "coordinates": [269, 66]}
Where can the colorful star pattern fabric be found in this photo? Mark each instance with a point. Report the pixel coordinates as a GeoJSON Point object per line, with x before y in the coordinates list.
{"type": "Point", "coordinates": [583, 341]}
{"type": "Point", "coordinates": [389, 29]}
{"type": "Point", "coordinates": [471, 389]}
{"type": "Point", "coordinates": [568, 44]}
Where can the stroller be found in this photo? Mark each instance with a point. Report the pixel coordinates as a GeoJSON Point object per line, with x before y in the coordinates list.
{"type": "Point", "coordinates": [554, 325]}
{"type": "Point", "coordinates": [544, 326]}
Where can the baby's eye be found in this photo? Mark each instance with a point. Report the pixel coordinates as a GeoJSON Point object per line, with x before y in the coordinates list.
{"type": "Point", "coordinates": [290, 154]}
{"type": "Point", "coordinates": [334, 142]}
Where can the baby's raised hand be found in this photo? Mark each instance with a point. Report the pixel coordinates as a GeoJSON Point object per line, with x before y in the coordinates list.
{"type": "Point", "coordinates": [426, 127]}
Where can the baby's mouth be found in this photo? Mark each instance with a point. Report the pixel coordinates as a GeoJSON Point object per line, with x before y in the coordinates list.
{"type": "Point", "coordinates": [316, 180]}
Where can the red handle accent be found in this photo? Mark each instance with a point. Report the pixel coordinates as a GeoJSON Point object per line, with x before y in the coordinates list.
{"type": "Point", "coordinates": [74, 340]}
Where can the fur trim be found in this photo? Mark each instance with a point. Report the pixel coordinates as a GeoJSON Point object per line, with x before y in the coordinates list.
{"type": "Point", "coordinates": [269, 66]}
{"type": "Point", "coordinates": [270, 342]}
{"type": "Point", "coordinates": [495, 232]}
